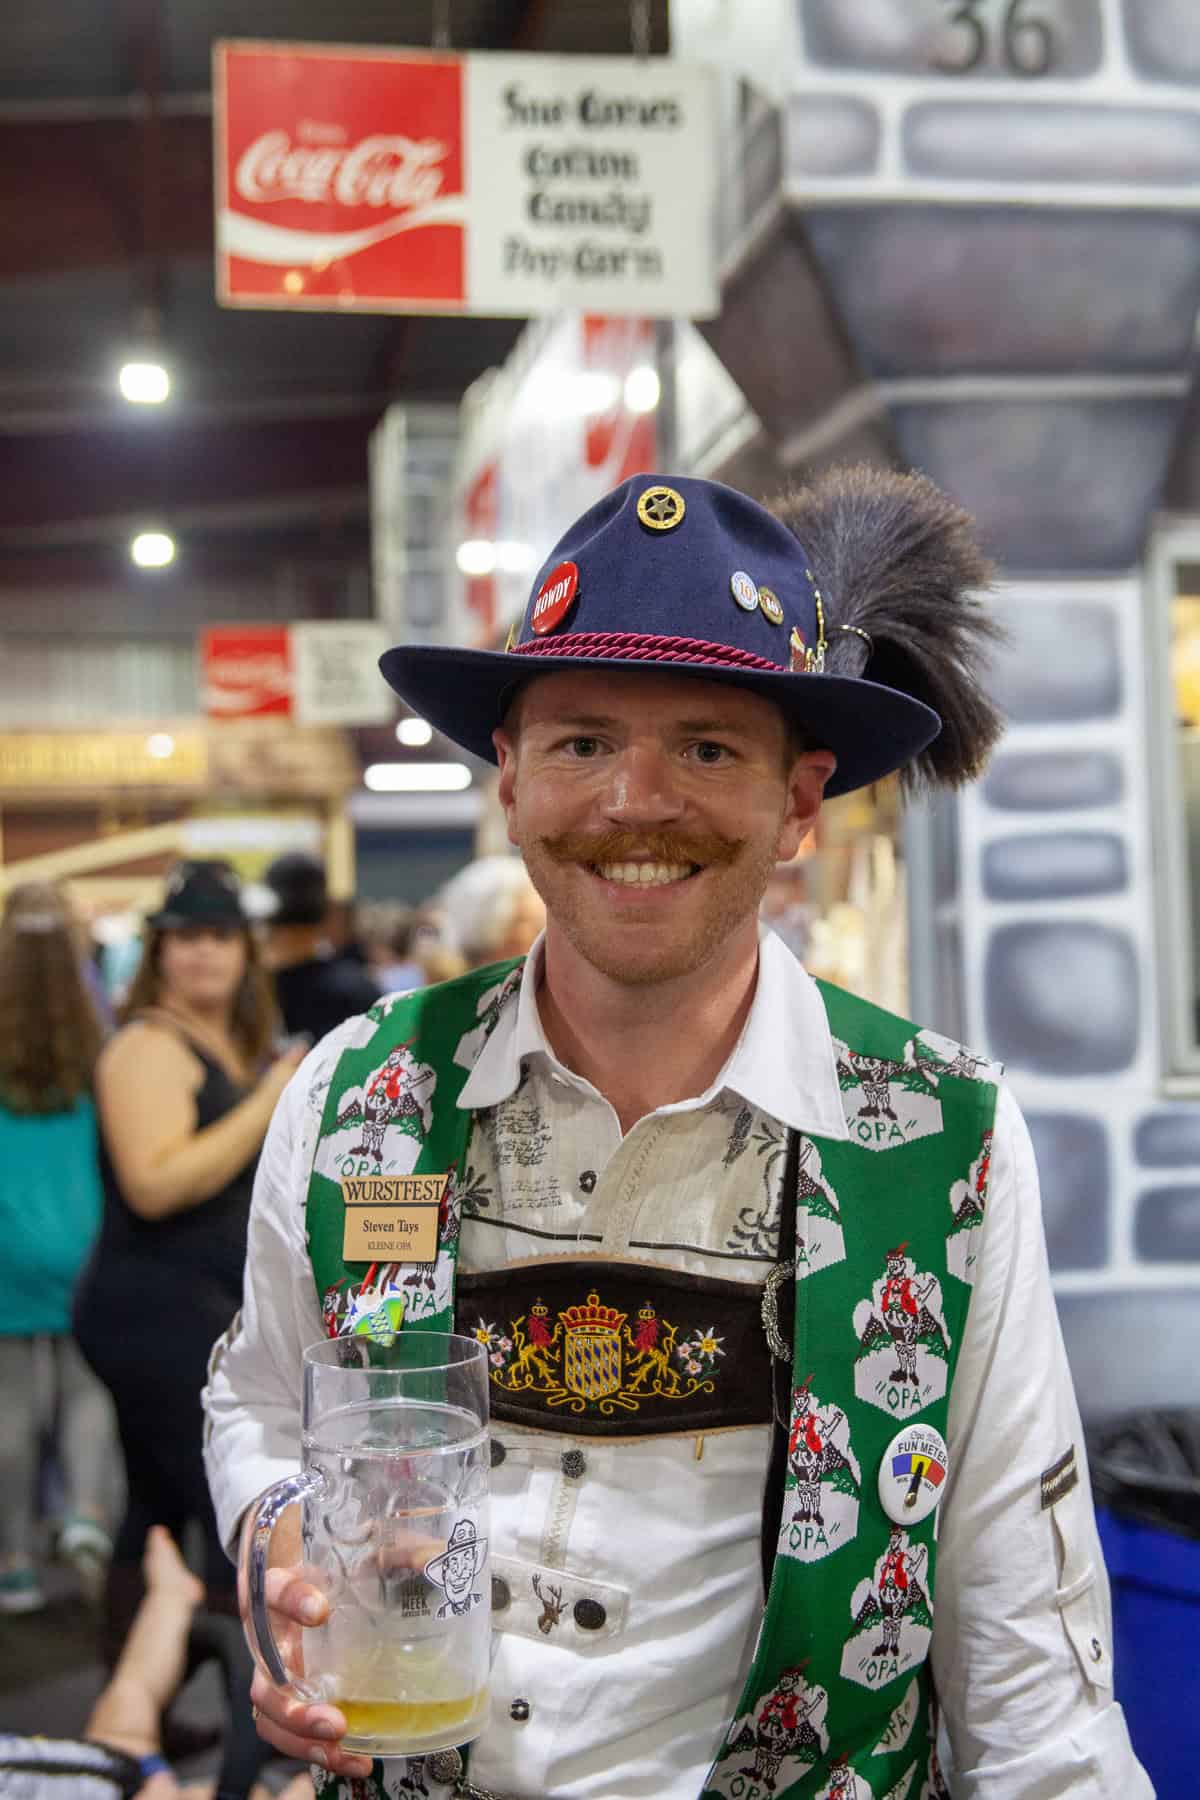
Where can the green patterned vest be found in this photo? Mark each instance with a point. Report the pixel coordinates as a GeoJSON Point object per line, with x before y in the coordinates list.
{"type": "Point", "coordinates": [838, 1704]}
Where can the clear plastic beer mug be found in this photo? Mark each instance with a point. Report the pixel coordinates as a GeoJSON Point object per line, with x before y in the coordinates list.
{"type": "Point", "coordinates": [393, 1492]}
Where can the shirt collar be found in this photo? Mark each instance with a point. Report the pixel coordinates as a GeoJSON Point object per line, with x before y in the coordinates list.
{"type": "Point", "coordinates": [783, 1064]}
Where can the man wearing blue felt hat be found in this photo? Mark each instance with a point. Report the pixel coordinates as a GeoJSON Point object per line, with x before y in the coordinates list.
{"type": "Point", "coordinates": [785, 1450]}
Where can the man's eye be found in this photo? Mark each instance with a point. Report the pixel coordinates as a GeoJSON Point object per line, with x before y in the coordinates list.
{"type": "Point", "coordinates": [709, 752]}
{"type": "Point", "coordinates": [584, 746]}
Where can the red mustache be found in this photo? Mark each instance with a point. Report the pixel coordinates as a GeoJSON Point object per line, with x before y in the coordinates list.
{"type": "Point", "coordinates": [617, 846]}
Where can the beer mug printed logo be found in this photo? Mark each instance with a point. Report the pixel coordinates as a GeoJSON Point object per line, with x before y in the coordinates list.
{"type": "Point", "coordinates": [968, 1200]}
{"type": "Point", "coordinates": [456, 1570]}
{"type": "Point", "coordinates": [381, 1124]}
{"type": "Point", "coordinates": [892, 1616]}
{"type": "Point", "coordinates": [341, 174]}
{"type": "Point", "coordinates": [820, 1501]}
{"type": "Point", "coordinates": [903, 1344]}
{"type": "Point", "coordinates": [775, 1744]}
{"type": "Point", "coordinates": [888, 1102]}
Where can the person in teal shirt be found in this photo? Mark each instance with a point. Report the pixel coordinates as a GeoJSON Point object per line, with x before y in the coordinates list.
{"type": "Point", "coordinates": [50, 1206]}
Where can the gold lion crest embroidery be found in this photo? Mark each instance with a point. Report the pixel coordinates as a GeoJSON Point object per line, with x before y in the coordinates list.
{"type": "Point", "coordinates": [591, 1355]}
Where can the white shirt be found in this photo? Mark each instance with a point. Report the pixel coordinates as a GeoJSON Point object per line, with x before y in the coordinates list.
{"type": "Point", "coordinates": [668, 1540]}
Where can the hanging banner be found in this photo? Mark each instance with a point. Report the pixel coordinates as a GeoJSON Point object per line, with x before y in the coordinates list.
{"type": "Point", "coordinates": [375, 180]}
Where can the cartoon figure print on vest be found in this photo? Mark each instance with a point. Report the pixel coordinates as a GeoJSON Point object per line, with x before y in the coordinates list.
{"type": "Point", "coordinates": [820, 1504]}
{"type": "Point", "coordinates": [843, 1783]}
{"type": "Point", "coordinates": [892, 1615]}
{"type": "Point", "coordinates": [897, 1100]}
{"type": "Point", "coordinates": [777, 1743]}
{"type": "Point", "coordinates": [819, 1238]}
{"type": "Point", "coordinates": [397, 1094]}
{"type": "Point", "coordinates": [903, 1343]}
{"type": "Point", "coordinates": [968, 1203]}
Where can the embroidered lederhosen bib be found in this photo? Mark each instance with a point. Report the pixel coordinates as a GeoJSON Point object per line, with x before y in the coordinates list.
{"type": "Point", "coordinates": [838, 1704]}
{"type": "Point", "coordinates": [619, 1349]}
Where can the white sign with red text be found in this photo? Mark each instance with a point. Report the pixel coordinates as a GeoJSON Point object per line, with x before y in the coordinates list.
{"type": "Point", "coordinates": [361, 178]}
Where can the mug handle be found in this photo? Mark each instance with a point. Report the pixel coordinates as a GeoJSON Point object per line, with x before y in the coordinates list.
{"type": "Point", "coordinates": [256, 1544]}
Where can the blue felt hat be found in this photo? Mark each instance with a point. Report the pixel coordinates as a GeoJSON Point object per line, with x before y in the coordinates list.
{"type": "Point", "coordinates": [672, 573]}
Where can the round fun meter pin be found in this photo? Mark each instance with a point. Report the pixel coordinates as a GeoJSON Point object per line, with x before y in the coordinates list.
{"type": "Point", "coordinates": [912, 1474]}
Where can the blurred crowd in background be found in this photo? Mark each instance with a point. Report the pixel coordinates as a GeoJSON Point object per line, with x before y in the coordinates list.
{"type": "Point", "coordinates": [219, 996]}
{"type": "Point", "coordinates": [137, 1082]}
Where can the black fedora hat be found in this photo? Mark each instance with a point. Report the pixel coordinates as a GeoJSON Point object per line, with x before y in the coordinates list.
{"type": "Point", "coordinates": [199, 893]}
{"type": "Point", "coordinates": [847, 606]}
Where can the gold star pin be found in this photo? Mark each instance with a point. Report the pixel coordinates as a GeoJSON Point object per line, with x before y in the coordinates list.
{"type": "Point", "coordinates": [660, 508]}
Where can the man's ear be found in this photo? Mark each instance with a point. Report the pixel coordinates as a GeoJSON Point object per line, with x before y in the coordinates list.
{"type": "Point", "coordinates": [806, 791]}
{"type": "Point", "coordinates": [506, 754]}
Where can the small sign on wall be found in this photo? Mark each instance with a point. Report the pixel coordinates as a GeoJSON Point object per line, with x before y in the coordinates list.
{"type": "Point", "coordinates": [321, 672]}
{"type": "Point", "coordinates": [335, 674]}
{"type": "Point", "coordinates": [367, 179]}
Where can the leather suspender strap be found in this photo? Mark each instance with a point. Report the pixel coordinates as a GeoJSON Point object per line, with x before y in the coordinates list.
{"type": "Point", "coordinates": [779, 1314]}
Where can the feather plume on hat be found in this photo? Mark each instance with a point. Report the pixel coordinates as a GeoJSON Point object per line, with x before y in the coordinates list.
{"type": "Point", "coordinates": [896, 560]}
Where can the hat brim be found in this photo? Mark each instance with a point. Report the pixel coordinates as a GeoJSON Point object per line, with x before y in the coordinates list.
{"type": "Point", "coordinates": [872, 730]}
{"type": "Point", "coordinates": [173, 921]}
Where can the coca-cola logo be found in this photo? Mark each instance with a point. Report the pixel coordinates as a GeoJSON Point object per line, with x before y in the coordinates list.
{"type": "Point", "coordinates": [267, 670]}
{"type": "Point", "coordinates": [382, 171]}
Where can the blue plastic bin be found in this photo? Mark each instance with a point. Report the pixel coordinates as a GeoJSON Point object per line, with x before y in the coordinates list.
{"type": "Point", "coordinates": [1155, 1577]}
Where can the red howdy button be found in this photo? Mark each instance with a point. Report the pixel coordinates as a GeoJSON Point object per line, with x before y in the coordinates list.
{"type": "Point", "coordinates": [554, 598]}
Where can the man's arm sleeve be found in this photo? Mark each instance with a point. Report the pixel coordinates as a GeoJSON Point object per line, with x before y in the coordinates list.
{"type": "Point", "coordinates": [252, 1400]}
{"type": "Point", "coordinates": [1022, 1643]}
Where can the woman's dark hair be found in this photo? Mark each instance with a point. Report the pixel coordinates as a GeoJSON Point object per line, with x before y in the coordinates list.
{"type": "Point", "coordinates": [254, 1020]}
{"type": "Point", "coordinates": [50, 1034]}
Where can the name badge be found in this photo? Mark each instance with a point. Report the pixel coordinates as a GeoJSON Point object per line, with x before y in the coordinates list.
{"type": "Point", "coordinates": [392, 1218]}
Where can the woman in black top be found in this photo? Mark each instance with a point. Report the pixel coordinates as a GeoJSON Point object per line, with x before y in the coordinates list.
{"type": "Point", "coordinates": [184, 1108]}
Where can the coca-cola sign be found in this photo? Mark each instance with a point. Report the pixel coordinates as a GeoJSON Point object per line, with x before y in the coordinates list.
{"type": "Point", "coordinates": [246, 671]}
{"type": "Point", "coordinates": [342, 181]}
{"type": "Point", "coordinates": [342, 177]}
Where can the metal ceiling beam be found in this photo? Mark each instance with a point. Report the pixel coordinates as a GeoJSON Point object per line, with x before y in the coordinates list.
{"type": "Point", "coordinates": [70, 192]}
{"type": "Point", "coordinates": [42, 109]}
{"type": "Point", "coordinates": [122, 472]}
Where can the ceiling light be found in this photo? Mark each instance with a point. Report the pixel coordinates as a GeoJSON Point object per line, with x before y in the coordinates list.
{"type": "Point", "coordinates": [642, 389]}
{"type": "Point", "coordinates": [144, 383]}
{"type": "Point", "coordinates": [160, 744]}
{"type": "Point", "coordinates": [477, 556]}
{"type": "Point", "coordinates": [414, 732]}
{"type": "Point", "coordinates": [417, 778]}
{"type": "Point", "coordinates": [514, 558]}
{"type": "Point", "coordinates": [152, 549]}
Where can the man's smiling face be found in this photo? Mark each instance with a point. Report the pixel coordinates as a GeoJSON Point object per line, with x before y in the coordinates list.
{"type": "Point", "coordinates": [650, 810]}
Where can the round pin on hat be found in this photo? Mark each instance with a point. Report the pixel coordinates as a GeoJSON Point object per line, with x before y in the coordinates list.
{"type": "Point", "coordinates": [912, 1474]}
{"type": "Point", "coordinates": [745, 590]}
{"type": "Point", "coordinates": [553, 599]}
{"type": "Point", "coordinates": [770, 606]}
